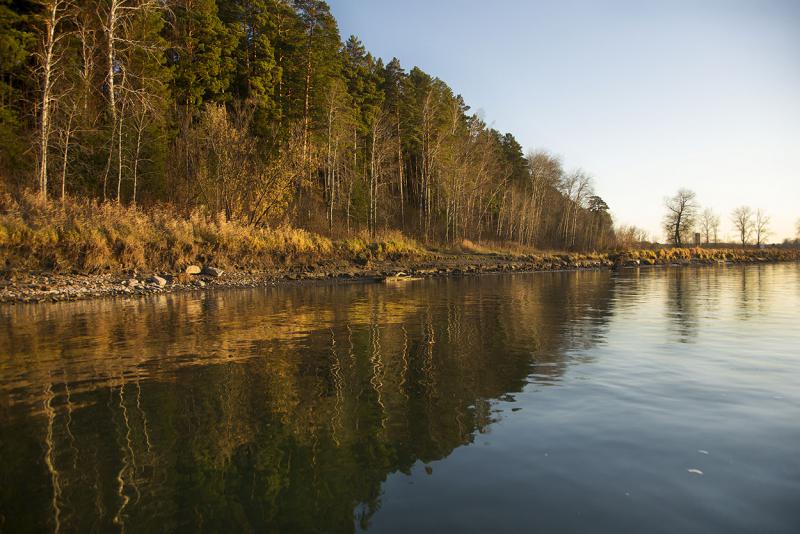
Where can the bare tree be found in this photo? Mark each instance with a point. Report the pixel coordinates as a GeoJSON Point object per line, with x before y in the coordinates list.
{"type": "Point", "coordinates": [339, 123]}
{"type": "Point", "coordinates": [742, 218]}
{"type": "Point", "coordinates": [628, 237]}
{"type": "Point", "coordinates": [681, 216]}
{"type": "Point", "coordinates": [48, 58]}
{"type": "Point", "coordinates": [119, 20]}
{"type": "Point", "coordinates": [110, 28]}
{"type": "Point", "coordinates": [709, 225]}
{"type": "Point", "coordinates": [715, 229]}
{"type": "Point", "coordinates": [142, 119]}
{"type": "Point", "coordinates": [232, 175]}
{"type": "Point", "coordinates": [65, 127]}
{"type": "Point", "coordinates": [380, 150]}
{"type": "Point", "coordinates": [761, 226]}
{"type": "Point", "coordinates": [545, 172]}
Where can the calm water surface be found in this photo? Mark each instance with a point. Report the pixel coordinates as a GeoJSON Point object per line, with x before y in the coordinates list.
{"type": "Point", "coordinates": [656, 401]}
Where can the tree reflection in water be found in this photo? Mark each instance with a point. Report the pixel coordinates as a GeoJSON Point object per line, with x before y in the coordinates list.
{"type": "Point", "coordinates": [279, 409]}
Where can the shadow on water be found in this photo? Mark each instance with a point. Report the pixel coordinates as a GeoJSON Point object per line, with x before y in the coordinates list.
{"type": "Point", "coordinates": [282, 409]}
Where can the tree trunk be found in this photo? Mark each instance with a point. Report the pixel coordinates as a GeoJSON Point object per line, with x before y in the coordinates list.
{"type": "Point", "coordinates": [65, 157]}
{"type": "Point", "coordinates": [48, 63]}
{"type": "Point", "coordinates": [110, 29]}
{"type": "Point", "coordinates": [306, 119]}
{"type": "Point", "coordinates": [139, 129]}
{"type": "Point", "coordinates": [119, 155]}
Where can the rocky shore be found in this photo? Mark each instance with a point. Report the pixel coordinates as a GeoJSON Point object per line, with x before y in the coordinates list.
{"type": "Point", "coordinates": [35, 287]}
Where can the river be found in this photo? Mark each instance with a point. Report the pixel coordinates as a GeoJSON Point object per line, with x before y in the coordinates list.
{"type": "Point", "coordinates": [653, 400]}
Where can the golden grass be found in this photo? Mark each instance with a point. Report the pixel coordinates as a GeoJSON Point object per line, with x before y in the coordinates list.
{"type": "Point", "coordinates": [471, 247]}
{"type": "Point", "coordinates": [89, 237]}
{"type": "Point", "coordinates": [645, 256]}
{"type": "Point", "coordinates": [391, 245]}
{"type": "Point", "coordinates": [668, 255]}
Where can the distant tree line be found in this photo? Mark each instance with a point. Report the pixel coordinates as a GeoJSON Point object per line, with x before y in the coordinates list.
{"type": "Point", "coordinates": [683, 219]}
{"type": "Point", "coordinates": [256, 109]}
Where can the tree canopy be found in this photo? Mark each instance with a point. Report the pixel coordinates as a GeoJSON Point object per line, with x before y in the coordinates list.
{"type": "Point", "coordinates": [124, 97]}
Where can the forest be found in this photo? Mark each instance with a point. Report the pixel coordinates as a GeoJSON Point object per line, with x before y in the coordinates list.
{"type": "Point", "coordinates": [258, 113]}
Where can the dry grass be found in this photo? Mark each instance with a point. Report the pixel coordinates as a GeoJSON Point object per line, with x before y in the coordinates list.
{"type": "Point", "coordinates": [645, 256]}
{"type": "Point", "coordinates": [470, 247]}
{"type": "Point", "coordinates": [390, 245]}
{"type": "Point", "coordinates": [524, 252]}
{"type": "Point", "coordinates": [504, 248]}
{"type": "Point", "coordinates": [671, 255]}
{"type": "Point", "coordinates": [88, 237]}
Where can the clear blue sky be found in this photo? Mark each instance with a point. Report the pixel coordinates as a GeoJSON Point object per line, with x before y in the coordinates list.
{"type": "Point", "coordinates": [647, 96]}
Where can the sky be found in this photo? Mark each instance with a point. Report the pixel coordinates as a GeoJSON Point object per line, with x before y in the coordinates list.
{"type": "Point", "coordinates": [646, 96]}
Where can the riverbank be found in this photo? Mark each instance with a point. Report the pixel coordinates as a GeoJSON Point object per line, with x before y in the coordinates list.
{"type": "Point", "coordinates": [37, 286]}
{"type": "Point", "coordinates": [75, 250]}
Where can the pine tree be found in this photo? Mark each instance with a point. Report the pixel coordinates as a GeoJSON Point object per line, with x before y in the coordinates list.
{"type": "Point", "coordinates": [199, 54]}
{"type": "Point", "coordinates": [514, 158]}
{"type": "Point", "coordinates": [319, 60]}
{"type": "Point", "coordinates": [363, 75]}
{"type": "Point", "coordinates": [393, 82]}
{"type": "Point", "coordinates": [16, 43]}
{"type": "Point", "coordinates": [257, 74]}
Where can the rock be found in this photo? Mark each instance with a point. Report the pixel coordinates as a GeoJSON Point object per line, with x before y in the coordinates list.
{"type": "Point", "coordinates": [160, 282]}
{"type": "Point", "coordinates": [212, 271]}
{"type": "Point", "coordinates": [132, 282]}
{"type": "Point", "coordinates": [192, 269]}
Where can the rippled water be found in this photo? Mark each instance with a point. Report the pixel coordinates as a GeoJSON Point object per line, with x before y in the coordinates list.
{"type": "Point", "coordinates": [666, 400]}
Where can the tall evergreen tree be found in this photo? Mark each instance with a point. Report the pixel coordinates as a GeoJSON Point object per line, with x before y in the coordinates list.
{"type": "Point", "coordinates": [257, 74]}
{"type": "Point", "coordinates": [16, 43]}
{"type": "Point", "coordinates": [393, 82]}
{"type": "Point", "coordinates": [319, 65]}
{"type": "Point", "coordinates": [364, 81]}
{"type": "Point", "coordinates": [199, 54]}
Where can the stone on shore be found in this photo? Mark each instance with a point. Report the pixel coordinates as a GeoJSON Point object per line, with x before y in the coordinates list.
{"type": "Point", "coordinates": [212, 271]}
{"type": "Point", "coordinates": [157, 280]}
{"type": "Point", "coordinates": [192, 269]}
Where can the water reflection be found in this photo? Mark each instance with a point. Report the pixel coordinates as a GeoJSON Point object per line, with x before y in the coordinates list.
{"type": "Point", "coordinates": [286, 409]}
{"type": "Point", "coordinates": [682, 303]}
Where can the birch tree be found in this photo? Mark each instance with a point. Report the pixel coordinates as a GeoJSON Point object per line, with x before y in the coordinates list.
{"type": "Point", "coordinates": [49, 57]}
{"type": "Point", "coordinates": [127, 40]}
